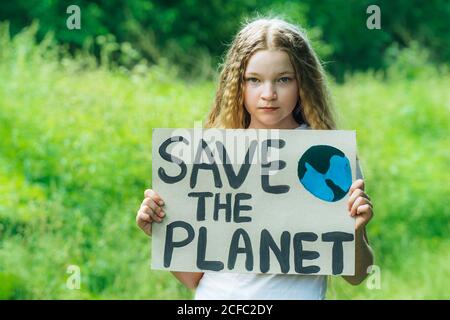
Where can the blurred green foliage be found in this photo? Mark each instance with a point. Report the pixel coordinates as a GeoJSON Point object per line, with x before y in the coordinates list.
{"type": "Point", "coordinates": [75, 158]}
{"type": "Point", "coordinates": [194, 33]}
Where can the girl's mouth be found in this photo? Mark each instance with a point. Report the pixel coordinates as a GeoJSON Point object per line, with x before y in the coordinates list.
{"type": "Point", "coordinates": [268, 109]}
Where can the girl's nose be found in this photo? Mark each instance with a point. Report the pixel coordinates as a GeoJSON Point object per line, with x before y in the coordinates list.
{"type": "Point", "coordinates": [268, 92]}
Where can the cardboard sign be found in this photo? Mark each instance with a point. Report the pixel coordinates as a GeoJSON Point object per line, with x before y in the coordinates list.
{"type": "Point", "coordinates": [254, 200]}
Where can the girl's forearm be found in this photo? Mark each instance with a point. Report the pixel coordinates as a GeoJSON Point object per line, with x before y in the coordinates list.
{"type": "Point", "coordinates": [363, 258]}
{"type": "Point", "coordinates": [188, 279]}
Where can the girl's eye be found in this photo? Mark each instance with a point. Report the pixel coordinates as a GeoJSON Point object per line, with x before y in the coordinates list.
{"type": "Point", "coordinates": [284, 79]}
{"type": "Point", "coordinates": [252, 80]}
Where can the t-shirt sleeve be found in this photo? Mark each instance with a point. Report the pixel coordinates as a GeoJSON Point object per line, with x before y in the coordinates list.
{"type": "Point", "coordinates": [359, 173]}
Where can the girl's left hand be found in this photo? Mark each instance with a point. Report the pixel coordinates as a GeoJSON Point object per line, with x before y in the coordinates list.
{"type": "Point", "coordinates": [359, 204]}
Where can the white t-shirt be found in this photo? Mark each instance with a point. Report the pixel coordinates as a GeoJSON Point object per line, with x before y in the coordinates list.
{"type": "Point", "coordinates": [248, 286]}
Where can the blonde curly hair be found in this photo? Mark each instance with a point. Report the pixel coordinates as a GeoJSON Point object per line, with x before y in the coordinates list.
{"type": "Point", "coordinates": [313, 106]}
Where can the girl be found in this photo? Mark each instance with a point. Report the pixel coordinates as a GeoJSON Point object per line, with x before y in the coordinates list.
{"type": "Point", "coordinates": [271, 79]}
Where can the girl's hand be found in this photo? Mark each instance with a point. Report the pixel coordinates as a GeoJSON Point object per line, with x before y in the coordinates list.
{"type": "Point", "coordinates": [359, 204]}
{"type": "Point", "coordinates": [150, 211]}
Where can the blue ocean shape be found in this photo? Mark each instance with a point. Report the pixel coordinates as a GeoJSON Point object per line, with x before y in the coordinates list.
{"type": "Point", "coordinates": [339, 173]}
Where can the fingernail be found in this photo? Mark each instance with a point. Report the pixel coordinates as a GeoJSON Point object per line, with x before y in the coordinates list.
{"type": "Point", "coordinates": [161, 202]}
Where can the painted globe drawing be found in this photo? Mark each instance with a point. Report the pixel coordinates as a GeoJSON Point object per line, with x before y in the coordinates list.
{"type": "Point", "coordinates": [325, 172]}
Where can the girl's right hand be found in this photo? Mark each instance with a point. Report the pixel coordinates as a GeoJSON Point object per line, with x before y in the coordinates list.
{"type": "Point", "coordinates": [150, 211]}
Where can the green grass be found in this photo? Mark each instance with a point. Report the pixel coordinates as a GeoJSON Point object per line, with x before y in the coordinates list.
{"type": "Point", "coordinates": [75, 158]}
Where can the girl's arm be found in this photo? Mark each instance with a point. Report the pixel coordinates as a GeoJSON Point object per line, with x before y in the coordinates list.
{"type": "Point", "coordinates": [188, 279]}
{"type": "Point", "coordinates": [360, 207]}
{"type": "Point", "coordinates": [150, 211]}
{"type": "Point", "coordinates": [363, 257]}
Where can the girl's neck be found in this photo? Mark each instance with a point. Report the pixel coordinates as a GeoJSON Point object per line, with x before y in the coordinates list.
{"type": "Point", "coordinates": [290, 123]}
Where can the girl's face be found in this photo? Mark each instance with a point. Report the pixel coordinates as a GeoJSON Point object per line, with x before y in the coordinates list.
{"type": "Point", "coordinates": [270, 90]}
